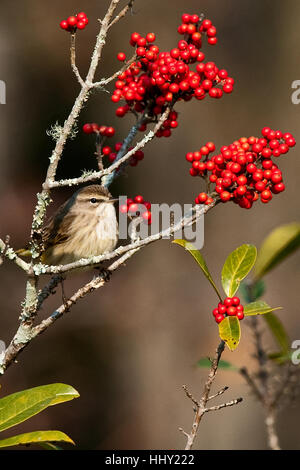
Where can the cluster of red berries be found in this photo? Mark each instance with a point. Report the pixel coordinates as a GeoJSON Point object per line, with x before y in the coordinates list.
{"type": "Point", "coordinates": [137, 206]}
{"type": "Point", "coordinates": [107, 131]}
{"type": "Point", "coordinates": [112, 154]}
{"type": "Point", "coordinates": [158, 79]}
{"type": "Point", "coordinates": [230, 307]}
{"type": "Point", "coordinates": [189, 26]}
{"type": "Point", "coordinates": [243, 171]}
{"type": "Point", "coordinates": [74, 22]}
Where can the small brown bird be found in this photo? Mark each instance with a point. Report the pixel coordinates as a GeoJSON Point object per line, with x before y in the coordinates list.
{"type": "Point", "coordinates": [84, 226]}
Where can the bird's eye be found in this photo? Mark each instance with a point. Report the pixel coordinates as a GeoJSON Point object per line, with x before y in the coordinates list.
{"type": "Point", "coordinates": [93, 200]}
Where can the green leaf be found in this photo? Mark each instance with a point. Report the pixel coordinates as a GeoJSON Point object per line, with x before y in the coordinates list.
{"type": "Point", "coordinates": [258, 308]}
{"type": "Point", "coordinates": [230, 332]}
{"type": "Point", "coordinates": [20, 406]}
{"type": "Point", "coordinates": [36, 437]}
{"type": "Point", "coordinates": [236, 267]}
{"type": "Point", "coordinates": [205, 362]}
{"type": "Point", "coordinates": [281, 242]}
{"type": "Point", "coordinates": [280, 357]}
{"type": "Point", "coordinates": [252, 291]}
{"type": "Point", "coordinates": [278, 332]}
{"type": "Point", "coordinates": [200, 260]}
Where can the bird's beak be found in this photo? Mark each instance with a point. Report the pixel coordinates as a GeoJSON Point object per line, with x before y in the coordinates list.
{"type": "Point", "coordinates": [113, 200]}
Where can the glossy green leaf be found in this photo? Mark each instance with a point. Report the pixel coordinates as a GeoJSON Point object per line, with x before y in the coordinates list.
{"type": "Point", "coordinates": [225, 365]}
{"type": "Point", "coordinates": [36, 437]}
{"type": "Point", "coordinates": [281, 242]}
{"type": "Point", "coordinates": [200, 260]}
{"type": "Point", "coordinates": [258, 308]}
{"type": "Point", "coordinates": [230, 332]}
{"type": "Point", "coordinates": [236, 267]}
{"type": "Point", "coordinates": [278, 331]}
{"type": "Point", "coordinates": [20, 406]}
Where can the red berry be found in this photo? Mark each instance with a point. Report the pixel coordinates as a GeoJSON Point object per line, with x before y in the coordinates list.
{"type": "Point", "coordinates": [150, 37]}
{"type": "Point", "coordinates": [240, 315]}
{"type": "Point", "coordinates": [147, 216]}
{"type": "Point", "coordinates": [124, 208]}
{"type": "Point", "coordinates": [81, 24]}
{"type": "Point", "coordinates": [235, 301]}
{"type": "Point", "coordinates": [72, 21]}
{"type": "Point", "coordinates": [87, 129]}
{"type": "Point", "coordinates": [215, 312]}
{"type": "Point", "coordinates": [121, 56]}
{"type": "Point", "coordinates": [219, 318]}
{"type": "Point", "coordinates": [228, 302]}
{"type": "Point", "coordinates": [202, 197]}
{"type": "Point", "coordinates": [267, 195]}
{"type": "Point", "coordinates": [222, 308]}
{"type": "Point", "coordinates": [64, 24]}
{"type": "Point", "coordinates": [209, 201]}
{"type": "Point", "coordinates": [139, 199]}
{"type": "Point", "coordinates": [106, 150]}
{"type": "Point", "coordinates": [110, 131]}
{"type": "Point", "coordinates": [211, 32]}
{"type": "Point", "coordinates": [231, 311]}
{"type": "Point", "coordinates": [133, 207]}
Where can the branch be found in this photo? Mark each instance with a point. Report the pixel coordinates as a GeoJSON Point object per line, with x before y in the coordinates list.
{"type": "Point", "coordinates": [105, 81]}
{"type": "Point", "coordinates": [201, 409]}
{"type": "Point", "coordinates": [107, 172]}
{"type": "Point", "coordinates": [270, 421]}
{"type": "Point", "coordinates": [192, 216]}
{"type": "Point", "coordinates": [122, 13]}
{"type": "Point", "coordinates": [224, 405]}
{"type": "Point", "coordinates": [26, 332]}
{"type": "Point", "coordinates": [8, 252]}
{"type": "Point", "coordinates": [73, 60]}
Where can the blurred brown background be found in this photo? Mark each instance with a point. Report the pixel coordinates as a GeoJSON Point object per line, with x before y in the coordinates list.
{"type": "Point", "coordinates": [129, 347]}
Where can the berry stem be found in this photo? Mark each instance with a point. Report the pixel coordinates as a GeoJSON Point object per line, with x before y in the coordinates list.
{"type": "Point", "coordinates": [73, 59]}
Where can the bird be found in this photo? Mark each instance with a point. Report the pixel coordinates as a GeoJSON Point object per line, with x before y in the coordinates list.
{"type": "Point", "coordinates": [85, 225]}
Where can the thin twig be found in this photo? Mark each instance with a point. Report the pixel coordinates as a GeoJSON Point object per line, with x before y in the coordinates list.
{"type": "Point", "coordinates": [190, 216]}
{"type": "Point", "coordinates": [200, 410]}
{"type": "Point", "coordinates": [26, 333]}
{"type": "Point", "coordinates": [224, 405]}
{"type": "Point", "coordinates": [8, 252]}
{"type": "Point", "coordinates": [112, 168]}
{"type": "Point", "coordinates": [270, 421]}
{"type": "Point", "coordinates": [220, 392]}
{"type": "Point", "coordinates": [106, 81]}
{"type": "Point", "coordinates": [122, 13]}
{"type": "Point", "coordinates": [73, 60]}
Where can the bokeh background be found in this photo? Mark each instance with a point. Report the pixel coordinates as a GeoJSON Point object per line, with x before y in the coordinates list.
{"type": "Point", "coordinates": [129, 347]}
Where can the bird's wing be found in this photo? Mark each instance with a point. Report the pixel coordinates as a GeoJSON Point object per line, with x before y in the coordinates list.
{"type": "Point", "coordinates": [55, 230]}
